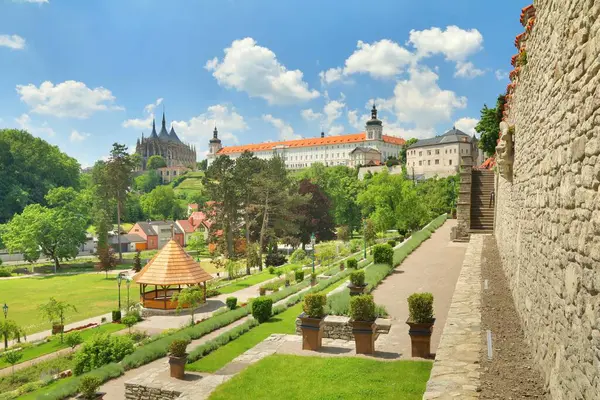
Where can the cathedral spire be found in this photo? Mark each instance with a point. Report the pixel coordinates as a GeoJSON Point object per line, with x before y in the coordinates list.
{"type": "Point", "coordinates": [215, 133]}
{"type": "Point", "coordinates": [153, 135]}
{"type": "Point", "coordinates": [374, 112]}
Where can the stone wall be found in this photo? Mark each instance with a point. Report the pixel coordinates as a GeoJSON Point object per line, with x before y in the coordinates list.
{"type": "Point", "coordinates": [336, 327]}
{"type": "Point", "coordinates": [140, 392]}
{"type": "Point", "coordinates": [548, 217]}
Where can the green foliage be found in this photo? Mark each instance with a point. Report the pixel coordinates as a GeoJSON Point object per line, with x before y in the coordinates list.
{"type": "Point", "coordinates": [369, 231]}
{"type": "Point", "coordinates": [362, 308]}
{"type": "Point", "coordinates": [147, 181]}
{"type": "Point", "coordinates": [275, 259]}
{"type": "Point", "coordinates": [314, 305]}
{"type": "Point", "coordinates": [13, 357]}
{"type": "Point", "coordinates": [221, 340]}
{"type": "Point", "coordinates": [489, 126]}
{"type": "Point", "coordinates": [355, 245]}
{"type": "Point", "coordinates": [316, 213]}
{"type": "Point", "coordinates": [178, 347]}
{"type": "Point", "coordinates": [391, 243]}
{"type": "Point", "coordinates": [272, 270]}
{"type": "Point", "coordinates": [384, 254]}
{"type": "Point", "coordinates": [231, 302]}
{"type": "Point", "coordinates": [55, 311]}
{"type": "Point", "coordinates": [88, 386]}
{"type": "Point", "coordinates": [160, 203]}
{"type": "Point", "coordinates": [299, 275]}
{"type": "Point", "coordinates": [262, 309]}
{"type": "Point", "coordinates": [298, 256]}
{"type": "Point", "coordinates": [190, 297]}
{"type": "Point", "coordinates": [155, 162]}
{"type": "Point", "coordinates": [101, 350]}
{"type": "Point", "coordinates": [325, 253]}
{"type": "Point", "coordinates": [420, 307]}
{"type": "Point", "coordinates": [4, 273]}
{"type": "Point", "coordinates": [344, 233]}
{"type": "Point", "coordinates": [73, 339]}
{"type": "Point", "coordinates": [196, 243]}
{"type": "Point", "coordinates": [129, 321]}
{"type": "Point", "coordinates": [137, 261]}
{"type": "Point", "coordinates": [352, 263]}
{"type": "Point", "coordinates": [405, 146]}
{"type": "Point", "coordinates": [357, 278]}
{"type": "Point", "coordinates": [116, 315]}
{"type": "Point", "coordinates": [522, 61]}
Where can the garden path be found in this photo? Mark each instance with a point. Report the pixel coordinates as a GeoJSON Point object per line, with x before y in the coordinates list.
{"type": "Point", "coordinates": [433, 267]}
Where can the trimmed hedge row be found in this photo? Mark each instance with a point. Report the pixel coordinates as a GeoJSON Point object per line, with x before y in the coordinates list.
{"type": "Point", "coordinates": [221, 340]}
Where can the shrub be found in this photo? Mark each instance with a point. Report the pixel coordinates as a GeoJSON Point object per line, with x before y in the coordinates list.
{"type": "Point", "coordinates": [362, 308]}
{"type": "Point", "coordinates": [272, 270]}
{"type": "Point", "coordinates": [262, 291]}
{"type": "Point", "coordinates": [352, 263]}
{"type": "Point", "coordinates": [314, 305]}
{"type": "Point", "coordinates": [262, 309]}
{"type": "Point", "coordinates": [420, 307]}
{"type": "Point", "coordinates": [344, 233]}
{"type": "Point", "coordinates": [221, 340]}
{"type": "Point", "coordinates": [274, 259]}
{"type": "Point", "coordinates": [313, 276]}
{"type": "Point", "coordinates": [116, 315]}
{"type": "Point", "coordinates": [298, 256]}
{"type": "Point", "coordinates": [278, 273]}
{"type": "Point", "coordinates": [401, 238]}
{"type": "Point", "coordinates": [392, 243]}
{"type": "Point", "coordinates": [134, 312]}
{"type": "Point", "coordinates": [355, 245]}
{"type": "Point", "coordinates": [357, 278]}
{"type": "Point", "coordinates": [101, 350]}
{"type": "Point", "coordinates": [73, 339]}
{"type": "Point", "coordinates": [129, 321]}
{"type": "Point", "coordinates": [88, 386]}
{"type": "Point", "coordinates": [299, 275]}
{"type": "Point", "coordinates": [4, 273]}
{"type": "Point", "coordinates": [231, 302]}
{"type": "Point", "coordinates": [178, 347]}
{"type": "Point", "coordinates": [383, 254]}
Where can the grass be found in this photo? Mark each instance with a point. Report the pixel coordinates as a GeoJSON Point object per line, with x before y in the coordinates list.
{"type": "Point", "coordinates": [345, 378]}
{"type": "Point", "coordinates": [244, 283]}
{"type": "Point", "coordinates": [91, 294]}
{"type": "Point", "coordinates": [38, 371]}
{"type": "Point", "coordinates": [54, 344]}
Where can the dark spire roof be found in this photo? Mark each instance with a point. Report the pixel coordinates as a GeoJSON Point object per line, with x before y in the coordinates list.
{"type": "Point", "coordinates": [164, 135]}
{"type": "Point", "coordinates": [374, 120]}
{"type": "Point", "coordinates": [153, 135]}
{"type": "Point", "coordinates": [215, 138]}
{"type": "Point", "coordinates": [173, 136]}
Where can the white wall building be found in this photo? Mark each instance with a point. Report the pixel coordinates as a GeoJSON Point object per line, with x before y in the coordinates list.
{"type": "Point", "coordinates": [327, 150]}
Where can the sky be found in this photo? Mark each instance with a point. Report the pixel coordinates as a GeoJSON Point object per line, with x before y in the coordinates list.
{"type": "Point", "coordinates": [85, 74]}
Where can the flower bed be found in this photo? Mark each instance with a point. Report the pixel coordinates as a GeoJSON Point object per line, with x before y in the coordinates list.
{"type": "Point", "coordinates": [82, 327]}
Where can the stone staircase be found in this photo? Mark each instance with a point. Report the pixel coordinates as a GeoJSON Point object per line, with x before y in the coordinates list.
{"type": "Point", "coordinates": [482, 211]}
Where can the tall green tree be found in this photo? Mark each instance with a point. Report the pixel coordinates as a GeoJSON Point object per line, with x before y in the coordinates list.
{"type": "Point", "coordinates": [155, 162]}
{"type": "Point", "coordinates": [405, 146]}
{"type": "Point", "coordinates": [196, 243]}
{"type": "Point", "coordinates": [489, 126]}
{"type": "Point", "coordinates": [160, 203]}
{"type": "Point", "coordinates": [315, 213]}
{"type": "Point", "coordinates": [147, 181]}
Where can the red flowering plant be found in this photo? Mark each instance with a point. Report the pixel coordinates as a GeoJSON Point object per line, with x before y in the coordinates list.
{"type": "Point", "coordinates": [519, 40]}
{"type": "Point", "coordinates": [527, 13]}
{"type": "Point", "coordinates": [513, 60]}
{"type": "Point", "coordinates": [530, 23]}
{"type": "Point", "coordinates": [510, 88]}
{"type": "Point", "coordinates": [514, 73]}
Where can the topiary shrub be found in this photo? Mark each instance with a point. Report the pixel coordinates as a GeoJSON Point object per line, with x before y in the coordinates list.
{"type": "Point", "coordinates": [4, 273]}
{"type": "Point", "coordinates": [88, 386]}
{"type": "Point", "coordinates": [298, 256]}
{"type": "Point", "coordinates": [352, 263]}
{"type": "Point", "coordinates": [231, 302]}
{"type": "Point", "coordinates": [420, 308]}
{"type": "Point", "coordinates": [392, 243]}
{"type": "Point", "coordinates": [262, 309]}
{"type": "Point", "coordinates": [274, 260]}
{"type": "Point", "coordinates": [383, 254]}
{"type": "Point", "coordinates": [314, 305]}
{"type": "Point", "coordinates": [357, 278]}
{"type": "Point", "coordinates": [116, 315]}
{"type": "Point", "coordinates": [262, 291]}
{"type": "Point", "coordinates": [362, 308]}
{"type": "Point", "coordinates": [212, 292]}
{"type": "Point", "coordinates": [299, 275]}
{"type": "Point", "coordinates": [355, 245]}
{"type": "Point", "coordinates": [178, 347]}
{"type": "Point", "coordinates": [272, 270]}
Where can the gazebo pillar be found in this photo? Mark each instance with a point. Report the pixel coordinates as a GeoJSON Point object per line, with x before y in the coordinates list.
{"type": "Point", "coordinates": [204, 284]}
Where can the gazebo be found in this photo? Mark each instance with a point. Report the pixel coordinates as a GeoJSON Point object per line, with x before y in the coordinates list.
{"type": "Point", "coordinates": [168, 271]}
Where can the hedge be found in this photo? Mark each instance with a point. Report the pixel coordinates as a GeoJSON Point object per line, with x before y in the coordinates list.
{"type": "Point", "coordinates": [221, 340]}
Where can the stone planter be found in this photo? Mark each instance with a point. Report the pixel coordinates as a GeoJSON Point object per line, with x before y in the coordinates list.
{"type": "Point", "coordinates": [177, 366]}
{"type": "Point", "coordinates": [57, 329]}
{"type": "Point", "coordinates": [342, 267]}
{"type": "Point", "coordinates": [98, 396]}
{"type": "Point", "coordinates": [313, 282]}
{"type": "Point", "coordinates": [356, 290]}
{"type": "Point", "coordinates": [420, 338]}
{"type": "Point", "coordinates": [364, 336]}
{"type": "Point", "coordinates": [312, 332]}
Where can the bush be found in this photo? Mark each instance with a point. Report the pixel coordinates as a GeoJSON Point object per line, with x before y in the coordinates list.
{"type": "Point", "coordinates": [262, 291]}
{"type": "Point", "coordinates": [298, 256]}
{"type": "Point", "coordinates": [274, 259]}
{"type": "Point", "coordinates": [420, 307]}
{"type": "Point", "coordinates": [231, 302]}
{"type": "Point", "coordinates": [401, 238]}
{"type": "Point", "coordinates": [134, 312]}
{"type": "Point", "coordinates": [73, 339]}
{"type": "Point", "coordinates": [129, 321]}
{"type": "Point", "coordinates": [383, 254]}
{"type": "Point", "coordinates": [392, 243]}
{"type": "Point", "coordinates": [299, 275]}
{"type": "Point", "coordinates": [272, 270]}
{"type": "Point", "coordinates": [212, 292]}
{"type": "Point", "coordinates": [352, 263]}
{"type": "Point", "coordinates": [356, 245]}
{"type": "Point", "coordinates": [4, 273]}
{"type": "Point", "coordinates": [178, 347]}
{"type": "Point", "coordinates": [344, 233]}
{"type": "Point", "coordinates": [313, 276]}
{"type": "Point", "coordinates": [101, 350]}
{"type": "Point", "coordinates": [221, 340]}
{"type": "Point", "coordinates": [88, 386]}
{"type": "Point", "coordinates": [362, 308]}
{"type": "Point", "coordinates": [357, 278]}
{"type": "Point", "coordinates": [314, 305]}
{"type": "Point", "coordinates": [262, 309]}
{"type": "Point", "coordinates": [116, 315]}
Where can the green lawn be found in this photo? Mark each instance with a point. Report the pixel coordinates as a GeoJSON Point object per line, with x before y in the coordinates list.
{"type": "Point", "coordinates": [91, 294]}
{"type": "Point", "coordinates": [54, 344]}
{"type": "Point", "coordinates": [307, 378]}
{"type": "Point", "coordinates": [244, 283]}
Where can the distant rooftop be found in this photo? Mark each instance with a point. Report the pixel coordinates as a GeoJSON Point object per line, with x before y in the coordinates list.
{"type": "Point", "coordinates": [452, 136]}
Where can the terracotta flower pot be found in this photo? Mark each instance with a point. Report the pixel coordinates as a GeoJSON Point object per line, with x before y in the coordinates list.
{"type": "Point", "coordinates": [420, 338]}
{"type": "Point", "coordinates": [356, 290]}
{"type": "Point", "coordinates": [57, 329]}
{"type": "Point", "coordinates": [364, 336]}
{"type": "Point", "coordinates": [312, 332]}
{"type": "Point", "coordinates": [177, 366]}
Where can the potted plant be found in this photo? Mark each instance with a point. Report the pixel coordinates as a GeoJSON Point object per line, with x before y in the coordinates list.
{"type": "Point", "coordinates": [363, 316]}
{"type": "Point", "coordinates": [55, 311]}
{"type": "Point", "coordinates": [88, 388]}
{"type": "Point", "coordinates": [342, 267]}
{"type": "Point", "coordinates": [420, 321]}
{"type": "Point", "coordinates": [352, 263]}
{"type": "Point", "coordinates": [357, 283]}
{"type": "Point", "coordinates": [312, 320]}
{"type": "Point", "coordinates": [262, 291]}
{"type": "Point", "coordinates": [178, 358]}
{"type": "Point", "coordinates": [313, 279]}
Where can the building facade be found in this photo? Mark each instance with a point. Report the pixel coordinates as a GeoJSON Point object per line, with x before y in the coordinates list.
{"type": "Point", "coordinates": [327, 150]}
{"type": "Point", "coordinates": [168, 145]}
{"type": "Point", "coordinates": [440, 156]}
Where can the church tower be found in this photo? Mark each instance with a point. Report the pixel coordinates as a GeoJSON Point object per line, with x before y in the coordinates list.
{"type": "Point", "coordinates": [215, 143]}
{"type": "Point", "coordinates": [374, 127]}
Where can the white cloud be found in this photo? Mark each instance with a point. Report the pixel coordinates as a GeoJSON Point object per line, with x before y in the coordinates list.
{"type": "Point", "coordinates": [66, 99]}
{"type": "Point", "coordinates": [467, 125]}
{"type": "Point", "coordinates": [383, 59]}
{"type": "Point", "coordinates": [501, 75]}
{"type": "Point", "coordinates": [454, 43]}
{"type": "Point", "coordinates": [286, 132]}
{"type": "Point", "coordinates": [143, 123]}
{"type": "Point", "coordinates": [333, 110]}
{"type": "Point", "coordinates": [79, 137]}
{"type": "Point", "coordinates": [336, 130]}
{"type": "Point", "coordinates": [255, 70]}
{"type": "Point", "coordinates": [24, 122]}
{"type": "Point", "coordinates": [330, 76]}
{"type": "Point", "coordinates": [31, 1]}
{"type": "Point", "coordinates": [467, 70]}
{"type": "Point", "coordinates": [353, 119]}
{"type": "Point", "coordinates": [14, 42]}
{"type": "Point", "coordinates": [198, 130]}
{"type": "Point", "coordinates": [310, 115]}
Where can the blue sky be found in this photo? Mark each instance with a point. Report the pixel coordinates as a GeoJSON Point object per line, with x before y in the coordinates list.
{"type": "Point", "coordinates": [84, 74]}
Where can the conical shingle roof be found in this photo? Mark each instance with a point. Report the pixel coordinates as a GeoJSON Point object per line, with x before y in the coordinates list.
{"type": "Point", "coordinates": [172, 266]}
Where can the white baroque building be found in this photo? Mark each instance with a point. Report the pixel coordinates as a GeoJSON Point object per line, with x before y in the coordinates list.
{"type": "Point", "coordinates": [370, 147]}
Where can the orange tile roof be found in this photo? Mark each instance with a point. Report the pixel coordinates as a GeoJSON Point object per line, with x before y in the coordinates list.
{"type": "Point", "coordinates": [318, 141]}
{"type": "Point", "coordinates": [186, 225]}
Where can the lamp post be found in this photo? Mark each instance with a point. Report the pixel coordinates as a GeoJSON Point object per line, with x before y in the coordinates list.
{"type": "Point", "coordinates": [365, 238]}
{"type": "Point", "coordinates": [5, 309]}
{"type": "Point", "coordinates": [128, 282]}
{"type": "Point", "coordinates": [119, 280]}
{"type": "Point", "coordinates": [312, 243]}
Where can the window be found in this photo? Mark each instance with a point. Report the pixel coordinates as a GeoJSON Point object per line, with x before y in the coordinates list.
{"type": "Point", "coordinates": [420, 153]}
{"type": "Point", "coordinates": [437, 152]}
{"type": "Point", "coordinates": [420, 163]}
{"type": "Point", "coordinates": [437, 162]}
{"type": "Point", "coordinates": [449, 162]}
{"type": "Point", "coordinates": [428, 152]}
{"type": "Point", "coordinates": [428, 162]}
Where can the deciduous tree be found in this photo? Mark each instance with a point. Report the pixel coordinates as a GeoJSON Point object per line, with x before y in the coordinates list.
{"type": "Point", "coordinates": [489, 126]}
{"type": "Point", "coordinates": [160, 203]}
{"type": "Point", "coordinates": [155, 162]}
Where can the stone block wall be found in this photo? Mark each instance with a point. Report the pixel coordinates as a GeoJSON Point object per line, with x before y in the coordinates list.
{"type": "Point", "coordinates": [548, 217]}
{"type": "Point", "coordinates": [141, 392]}
{"type": "Point", "coordinates": [336, 327]}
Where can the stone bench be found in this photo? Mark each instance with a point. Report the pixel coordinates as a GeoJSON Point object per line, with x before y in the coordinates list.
{"type": "Point", "coordinates": [340, 327]}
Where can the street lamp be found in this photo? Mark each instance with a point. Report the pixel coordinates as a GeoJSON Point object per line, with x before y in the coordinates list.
{"type": "Point", "coordinates": [365, 238]}
{"type": "Point", "coordinates": [312, 243]}
{"type": "Point", "coordinates": [5, 309]}
{"type": "Point", "coordinates": [128, 282]}
{"type": "Point", "coordinates": [119, 280]}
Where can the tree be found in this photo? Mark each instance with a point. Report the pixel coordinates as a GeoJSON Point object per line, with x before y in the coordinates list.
{"type": "Point", "coordinates": [369, 232]}
{"type": "Point", "coordinates": [129, 321]}
{"type": "Point", "coordinates": [13, 357]}
{"type": "Point", "coordinates": [202, 165]}
{"type": "Point", "coordinates": [73, 339]}
{"type": "Point", "coordinates": [10, 330]}
{"type": "Point", "coordinates": [155, 162]}
{"type": "Point", "coordinates": [107, 258]}
{"type": "Point", "coordinates": [55, 311]}
{"type": "Point", "coordinates": [147, 181]}
{"type": "Point", "coordinates": [315, 212]}
{"type": "Point", "coordinates": [405, 147]}
{"type": "Point", "coordinates": [56, 231]}
{"type": "Point", "coordinates": [197, 243]}
{"type": "Point", "coordinates": [137, 261]}
{"type": "Point", "coordinates": [343, 233]}
{"type": "Point", "coordinates": [160, 203]}
{"type": "Point", "coordinates": [489, 126]}
{"type": "Point", "coordinates": [391, 161]}
{"type": "Point", "coordinates": [191, 297]}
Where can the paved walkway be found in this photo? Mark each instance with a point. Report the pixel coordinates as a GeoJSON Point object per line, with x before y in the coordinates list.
{"type": "Point", "coordinates": [433, 267]}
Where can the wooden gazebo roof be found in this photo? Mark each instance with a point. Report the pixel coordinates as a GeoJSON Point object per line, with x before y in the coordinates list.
{"type": "Point", "coordinates": [172, 266]}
